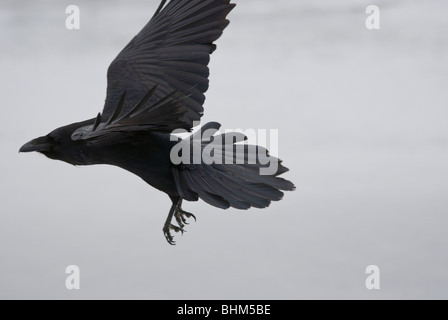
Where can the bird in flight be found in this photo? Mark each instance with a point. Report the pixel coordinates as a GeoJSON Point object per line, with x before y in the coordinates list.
{"type": "Point", "coordinates": [155, 86]}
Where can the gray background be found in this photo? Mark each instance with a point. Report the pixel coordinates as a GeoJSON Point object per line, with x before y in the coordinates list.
{"type": "Point", "coordinates": [362, 118]}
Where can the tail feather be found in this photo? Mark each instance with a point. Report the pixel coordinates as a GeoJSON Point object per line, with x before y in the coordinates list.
{"type": "Point", "coordinates": [203, 192]}
{"type": "Point", "coordinates": [237, 185]}
{"type": "Point", "coordinates": [235, 191]}
{"type": "Point", "coordinates": [259, 196]}
{"type": "Point", "coordinates": [225, 192]}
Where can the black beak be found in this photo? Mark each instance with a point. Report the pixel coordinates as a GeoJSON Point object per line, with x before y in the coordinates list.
{"type": "Point", "coordinates": [40, 145]}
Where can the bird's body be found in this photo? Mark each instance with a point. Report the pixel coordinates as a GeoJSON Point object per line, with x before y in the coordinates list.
{"type": "Point", "coordinates": [155, 86]}
{"type": "Point", "coordinates": [146, 154]}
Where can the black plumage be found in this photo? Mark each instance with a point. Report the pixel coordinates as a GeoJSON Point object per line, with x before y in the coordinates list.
{"type": "Point", "coordinates": [156, 85]}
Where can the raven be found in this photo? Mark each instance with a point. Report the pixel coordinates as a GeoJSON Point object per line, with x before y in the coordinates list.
{"type": "Point", "coordinates": [156, 85]}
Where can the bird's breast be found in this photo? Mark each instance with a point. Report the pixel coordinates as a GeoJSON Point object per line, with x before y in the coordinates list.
{"type": "Point", "coordinates": [147, 155]}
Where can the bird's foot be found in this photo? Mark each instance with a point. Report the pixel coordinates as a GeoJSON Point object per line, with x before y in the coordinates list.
{"type": "Point", "coordinates": [181, 217]}
{"type": "Point", "coordinates": [167, 232]}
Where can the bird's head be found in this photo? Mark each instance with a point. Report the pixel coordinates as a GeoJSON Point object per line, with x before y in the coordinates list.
{"type": "Point", "coordinates": [58, 145]}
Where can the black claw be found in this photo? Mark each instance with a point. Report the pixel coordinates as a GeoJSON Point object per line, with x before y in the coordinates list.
{"type": "Point", "coordinates": [184, 220]}
{"type": "Point", "coordinates": [180, 220]}
{"type": "Point", "coordinates": [177, 229]}
{"type": "Point", "coordinates": [169, 238]}
{"type": "Point", "coordinates": [188, 215]}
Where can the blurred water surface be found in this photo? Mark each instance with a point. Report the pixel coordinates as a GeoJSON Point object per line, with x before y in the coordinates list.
{"type": "Point", "coordinates": [363, 127]}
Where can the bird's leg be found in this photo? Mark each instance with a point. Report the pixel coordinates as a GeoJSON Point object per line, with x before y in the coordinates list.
{"type": "Point", "coordinates": [181, 217]}
{"type": "Point", "coordinates": [168, 225]}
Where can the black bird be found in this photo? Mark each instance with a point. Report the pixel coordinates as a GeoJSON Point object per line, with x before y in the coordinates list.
{"type": "Point", "coordinates": [156, 85]}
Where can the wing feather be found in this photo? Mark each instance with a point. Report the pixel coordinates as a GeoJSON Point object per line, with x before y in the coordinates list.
{"type": "Point", "coordinates": [169, 55]}
{"type": "Point", "coordinates": [172, 51]}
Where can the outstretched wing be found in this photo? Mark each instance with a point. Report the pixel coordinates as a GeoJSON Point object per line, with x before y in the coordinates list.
{"type": "Point", "coordinates": [169, 57]}
{"type": "Point", "coordinates": [164, 116]}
